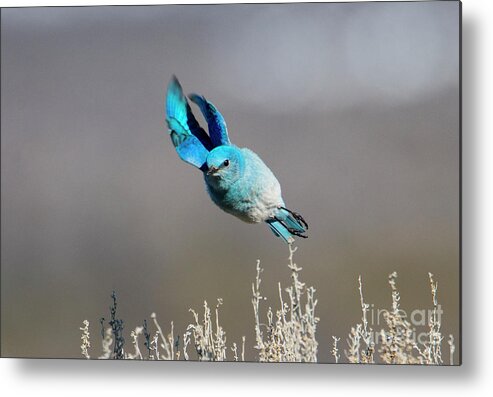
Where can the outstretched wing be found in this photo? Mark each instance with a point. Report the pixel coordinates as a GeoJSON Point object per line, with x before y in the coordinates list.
{"type": "Point", "coordinates": [217, 126]}
{"type": "Point", "coordinates": [191, 142]}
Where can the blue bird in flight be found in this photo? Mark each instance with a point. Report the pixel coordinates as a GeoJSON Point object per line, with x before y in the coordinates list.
{"type": "Point", "coordinates": [237, 180]}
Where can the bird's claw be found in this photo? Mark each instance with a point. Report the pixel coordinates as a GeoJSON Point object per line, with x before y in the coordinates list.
{"type": "Point", "coordinates": [296, 216]}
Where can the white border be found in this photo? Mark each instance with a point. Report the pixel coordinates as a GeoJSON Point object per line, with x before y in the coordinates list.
{"type": "Point", "coordinates": [81, 378]}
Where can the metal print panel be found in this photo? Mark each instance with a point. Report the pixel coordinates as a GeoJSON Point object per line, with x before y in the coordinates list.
{"type": "Point", "coordinates": [262, 182]}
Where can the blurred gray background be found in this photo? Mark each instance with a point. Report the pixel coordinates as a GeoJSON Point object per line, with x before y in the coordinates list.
{"type": "Point", "coordinates": [355, 107]}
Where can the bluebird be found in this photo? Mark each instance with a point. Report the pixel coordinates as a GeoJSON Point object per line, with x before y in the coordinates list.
{"type": "Point", "coordinates": [237, 180]}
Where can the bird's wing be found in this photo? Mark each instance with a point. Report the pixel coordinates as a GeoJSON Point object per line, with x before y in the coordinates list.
{"type": "Point", "coordinates": [193, 152]}
{"type": "Point", "coordinates": [215, 121]}
{"type": "Point", "coordinates": [191, 142]}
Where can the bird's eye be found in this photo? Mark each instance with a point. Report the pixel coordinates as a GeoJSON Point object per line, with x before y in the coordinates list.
{"type": "Point", "coordinates": [226, 162]}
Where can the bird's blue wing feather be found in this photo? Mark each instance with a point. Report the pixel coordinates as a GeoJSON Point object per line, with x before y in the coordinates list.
{"type": "Point", "coordinates": [217, 126]}
{"type": "Point", "coordinates": [191, 142]}
{"type": "Point", "coordinates": [179, 113]}
{"type": "Point", "coordinates": [193, 152]}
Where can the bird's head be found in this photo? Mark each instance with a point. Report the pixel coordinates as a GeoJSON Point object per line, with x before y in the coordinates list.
{"type": "Point", "coordinates": [224, 166]}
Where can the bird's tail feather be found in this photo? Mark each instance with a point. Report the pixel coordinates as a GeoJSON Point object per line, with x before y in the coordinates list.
{"type": "Point", "coordinates": [287, 224]}
{"type": "Point", "coordinates": [280, 231]}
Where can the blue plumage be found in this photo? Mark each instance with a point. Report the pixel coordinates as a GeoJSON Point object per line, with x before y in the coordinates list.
{"type": "Point", "coordinates": [180, 118]}
{"type": "Point", "coordinates": [215, 121]}
{"type": "Point", "coordinates": [237, 180]}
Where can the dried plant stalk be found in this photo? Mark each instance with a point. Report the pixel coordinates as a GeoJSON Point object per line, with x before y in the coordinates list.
{"type": "Point", "coordinates": [86, 343]}
{"type": "Point", "coordinates": [286, 334]}
{"type": "Point", "coordinates": [290, 336]}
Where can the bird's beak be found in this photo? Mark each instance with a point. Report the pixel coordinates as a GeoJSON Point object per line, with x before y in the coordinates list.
{"type": "Point", "coordinates": [212, 170]}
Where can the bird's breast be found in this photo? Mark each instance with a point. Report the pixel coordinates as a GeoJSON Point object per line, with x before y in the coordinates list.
{"type": "Point", "coordinates": [252, 201]}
